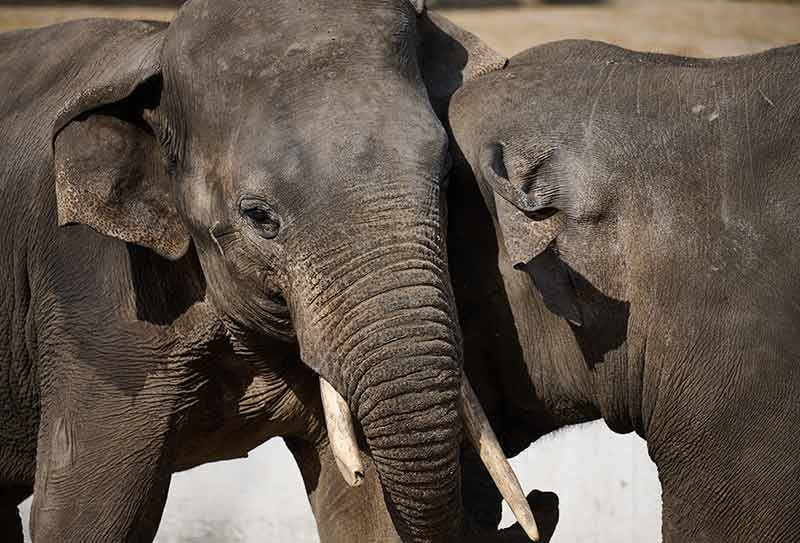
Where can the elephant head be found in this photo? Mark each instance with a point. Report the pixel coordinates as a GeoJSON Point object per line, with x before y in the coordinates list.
{"type": "Point", "coordinates": [541, 160]}
{"type": "Point", "coordinates": [296, 147]}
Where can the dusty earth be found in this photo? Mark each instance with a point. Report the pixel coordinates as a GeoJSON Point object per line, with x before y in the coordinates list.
{"type": "Point", "coordinates": [609, 489]}
{"type": "Point", "coordinates": [705, 28]}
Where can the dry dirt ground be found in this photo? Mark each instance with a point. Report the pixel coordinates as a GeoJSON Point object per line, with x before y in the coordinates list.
{"type": "Point", "coordinates": [695, 28]}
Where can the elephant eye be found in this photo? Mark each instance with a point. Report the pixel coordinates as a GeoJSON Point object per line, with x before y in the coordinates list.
{"type": "Point", "coordinates": [257, 215]}
{"type": "Point", "coordinates": [261, 217]}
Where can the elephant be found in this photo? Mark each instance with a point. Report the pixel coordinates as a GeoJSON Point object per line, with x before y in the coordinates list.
{"type": "Point", "coordinates": [228, 212]}
{"type": "Point", "coordinates": [623, 246]}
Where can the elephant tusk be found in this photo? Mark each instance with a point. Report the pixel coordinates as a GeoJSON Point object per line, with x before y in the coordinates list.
{"type": "Point", "coordinates": [341, 434]}
{"type": "Point", "coordinates": [491, 453]}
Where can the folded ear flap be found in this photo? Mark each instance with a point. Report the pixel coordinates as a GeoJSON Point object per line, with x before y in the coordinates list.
{"type": "Point", "coordinates": [449, 57]}
{"type": "Point", "coordinates": [529, 226]}
{"type": "Point", "coordinates": [108, 166]}
{"type": "Point", "coordinates": [528, 221]}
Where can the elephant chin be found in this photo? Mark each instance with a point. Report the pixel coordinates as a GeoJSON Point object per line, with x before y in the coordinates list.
{"type": "Point", "coordinates": [342, 438]}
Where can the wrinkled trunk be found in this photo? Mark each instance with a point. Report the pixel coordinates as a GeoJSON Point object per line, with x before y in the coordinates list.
{"type": "Point", "coordinates": [384, 333]}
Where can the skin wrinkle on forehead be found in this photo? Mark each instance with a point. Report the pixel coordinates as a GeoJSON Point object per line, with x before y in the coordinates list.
{"type": "Point", "coordinates": [282, 117]}
{"type": "Point", "coordinates": [276, 29]}
{"type": "Point", "coordinates": [291, 155]}
{"type": "Point", "coordinates": [313, 70]}
{"type": "Point", "coordinates": [302, 88]}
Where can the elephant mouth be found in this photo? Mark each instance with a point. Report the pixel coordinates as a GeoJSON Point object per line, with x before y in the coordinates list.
{"type": "Point", "coordinates": [344, 446]}
{"type": "Point", "coordinates": [276, 317]}
{"type": "Point", "coordinates": [276, 305]}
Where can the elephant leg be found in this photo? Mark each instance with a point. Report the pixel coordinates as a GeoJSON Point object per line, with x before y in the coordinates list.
{"type": "Point", "coordinates": [483, 506]}
{"type": "Point", "coordinates": [732, 507]}
{"type": "Point", "coordinates": [101, 478]}
{"type": "Point", "coordinates": [10, 524]}
{"type": "Point", "coordinates": [736, 480]}
{"type": "Point", "coordinates": [360, 514]}
{"type": "Point", "coordinates": [342, 513]}
{"type": "Point", "coordinates": [10, 520]}
{"type": "Point", "coordinates": [545, 509]}
{"type": "Point", "coordinates": [482, 501]}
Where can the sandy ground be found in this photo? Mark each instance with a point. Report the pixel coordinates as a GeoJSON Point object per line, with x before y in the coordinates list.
{"type": "Point", "coordinates": [609, 489]}
{"type": "Point", "coordinates": [686, 28]}
{"type": "Point", "coordinates": [707, 28]}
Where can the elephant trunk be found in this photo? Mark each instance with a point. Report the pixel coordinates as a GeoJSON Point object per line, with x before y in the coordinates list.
{"type": "Point", "coordinates": [388, 343]}
{"type": "Point", "coordinates": [345, 449]}
{"type": "Point", "coordinates": [414, 437]}
{"type": "Point", "coordinates": [380, 328]}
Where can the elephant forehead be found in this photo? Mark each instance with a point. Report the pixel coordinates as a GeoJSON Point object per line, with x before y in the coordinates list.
{"type": "Point", "coordinates": [259, 38]}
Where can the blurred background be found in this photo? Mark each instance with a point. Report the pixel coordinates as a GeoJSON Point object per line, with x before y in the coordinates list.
{"type": "Point", "coordinates": [608, 487]}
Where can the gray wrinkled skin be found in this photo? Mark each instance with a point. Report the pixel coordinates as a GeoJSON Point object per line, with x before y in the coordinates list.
{"type": "Point", "coordinates": [663, 294]}
{"type": "Point", "coordinates": [275, 169]}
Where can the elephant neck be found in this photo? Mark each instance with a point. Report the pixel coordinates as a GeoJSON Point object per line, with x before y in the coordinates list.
{"type": "Point", "coordinates": [530, 369]}
{"type": "Point", "coordinates": [575, 373]}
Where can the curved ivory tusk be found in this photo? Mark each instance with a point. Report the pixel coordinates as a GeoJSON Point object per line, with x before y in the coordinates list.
{"type": "Point", "coordinates": [485, 441]}
{"type": "Point", "coordinates": [341, 434]}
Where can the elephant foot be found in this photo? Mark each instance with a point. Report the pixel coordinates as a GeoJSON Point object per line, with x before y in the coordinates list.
{"type": "Point", "coordinates": [545, 509]}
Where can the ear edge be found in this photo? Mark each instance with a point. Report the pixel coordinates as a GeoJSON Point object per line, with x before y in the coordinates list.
{"type": "Point", "coordinates": [482, 59]}
{"type": "Point", "coordinates": [493, 169]}
{"type": "Point", "coordinates": [109, 88]}
{"type": "Point", "coordinates": [451, 56]}
{"type": "Point", "coordinates": [109, 177]}
{"type": "Point", "coordinates": [526, 231]}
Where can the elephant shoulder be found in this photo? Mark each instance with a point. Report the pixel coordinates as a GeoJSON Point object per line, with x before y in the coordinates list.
{"type": "Point", "coordinates": [549, 56]}
{"type": "Point", "coordinates": [580, 52]}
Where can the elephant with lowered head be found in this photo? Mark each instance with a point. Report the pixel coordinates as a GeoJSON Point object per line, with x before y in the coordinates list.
{"type": "Point", "coordinates": [644, 268]}
{"type": "Point", "coordinates": [255, 184]}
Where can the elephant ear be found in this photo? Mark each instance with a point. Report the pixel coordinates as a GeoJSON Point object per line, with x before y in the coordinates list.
{"type": "Point", "coordinates": [108, 167]}
{"type": "Point", "coordinates": [529, 220]}
{"type": "Point", "coordinates": [449, 57]}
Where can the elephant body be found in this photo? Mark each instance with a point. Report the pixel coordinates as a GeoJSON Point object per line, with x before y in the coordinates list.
{"type": "Point", "coordinates": [202, 219]}
{"type": "Point", "coordinates": [110, 351]}
{"type": "Point", "coordinates": [636, 262]}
